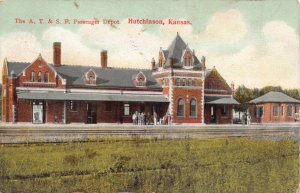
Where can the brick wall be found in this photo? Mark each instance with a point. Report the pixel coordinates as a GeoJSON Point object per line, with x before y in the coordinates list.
{"type": "Point", "coordinates": [24, 111]}
{"type": "Point", "coordinates": [187, 95]}
{"type": "Point", "coordinates": [78, 116]}
{"type": "Point", "coordinates": [54, 109]}
{"type": "Point", "coordinates": [220, 119]}
{"type": "Point", "coordinates": [268, 116]}
{"type": "Point", "coordinates": [39, 65]}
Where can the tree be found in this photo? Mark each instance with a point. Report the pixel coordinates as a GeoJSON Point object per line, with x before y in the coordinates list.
{"type": "Point", "coordinates": [267, 89]}
{"type": "Point", "coordinates": [243, 95]}
{"type": "Point", "coordinates": [292, 93]}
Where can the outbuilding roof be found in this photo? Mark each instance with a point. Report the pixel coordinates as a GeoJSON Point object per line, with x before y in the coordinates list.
{"type": "Point", "coordinates": [274, 97]}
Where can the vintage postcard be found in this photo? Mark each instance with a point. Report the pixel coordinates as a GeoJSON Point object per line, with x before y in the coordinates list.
{"type": "Point", "coordinates": [149, 96]}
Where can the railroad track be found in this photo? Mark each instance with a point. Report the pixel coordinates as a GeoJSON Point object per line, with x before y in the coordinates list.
{"type": "Point", "coordinates": [15, 134]}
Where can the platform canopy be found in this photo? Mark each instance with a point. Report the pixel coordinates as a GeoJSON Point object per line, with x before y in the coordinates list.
{"type": "Point", "coordinates": [220, 100]}
{"type": "Point", "coordinates": [92, 97]}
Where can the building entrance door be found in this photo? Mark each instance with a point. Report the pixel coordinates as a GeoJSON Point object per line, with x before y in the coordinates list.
{"type": "Point", "coordinates": [213, 114]}
{"type": "Point", "coordinates": [91, 113]}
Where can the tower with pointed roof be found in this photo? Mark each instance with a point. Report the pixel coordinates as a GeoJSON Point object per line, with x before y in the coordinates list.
{"type": "Point", "coordinates": [181, 74]}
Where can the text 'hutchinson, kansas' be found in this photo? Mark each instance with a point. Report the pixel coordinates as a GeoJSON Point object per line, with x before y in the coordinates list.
{"type": "Point", "coordinates": [159, 21]}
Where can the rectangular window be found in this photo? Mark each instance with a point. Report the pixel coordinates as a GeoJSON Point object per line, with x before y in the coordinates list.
{"type": "Point", "coordinates": [260, 112]}
{"type": "Point", "coordinates": [290, 110]}
{"type": "Point", "coordinates": [177, 82]}
{"type": "Point", "coordinates": [73, 105]}
{"type": "Point", "coordinates": [275, 111]}
{"type": "Point", "coordinates": [190, 82]}
{"type": "Point", "coordinates": [183, 82]}
{"type": "Point", "coordinates": [282, 111]}
{"type": "Point", "coordinates": [224, 110]}
{"type": "Point", "coordinates": [126, 109]}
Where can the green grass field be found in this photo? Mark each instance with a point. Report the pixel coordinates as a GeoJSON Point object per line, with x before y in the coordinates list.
{"type": "Point", "coordinates": [149, 165]}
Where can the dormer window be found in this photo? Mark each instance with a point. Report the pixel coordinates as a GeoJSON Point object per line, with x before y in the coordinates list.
{"type": "Point", "coordinates": [91, 80]}
{"type": "Point", "coordinates": [188, 58]}
{"type": "Point", "coordinates": [140, 79]}
{"type": "Point", "coordinates": [90, 77]}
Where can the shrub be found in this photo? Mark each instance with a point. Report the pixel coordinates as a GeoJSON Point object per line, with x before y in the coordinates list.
{"type": "Point", "coordinates": [71, 159]}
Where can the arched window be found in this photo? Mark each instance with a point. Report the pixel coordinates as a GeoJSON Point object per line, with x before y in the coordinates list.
{"type": "Point", "coordinates": [190, 61]}
{"type": "Point", "coordinates": [193, 107]}
{"type": "Point", "coordinates": [46, 77]}
{"type": "Point", "coordinates": [180, 108]}
{"type": "Point", "coordinates": [32, 77]}
{"type": "Point", "coordinates": [39, 77]}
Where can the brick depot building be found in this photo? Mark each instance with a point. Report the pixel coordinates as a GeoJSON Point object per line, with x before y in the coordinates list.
{"type": "Point", "coordinates": [273, 107]}
{"type": "Point", "coordinates": [177, 84]}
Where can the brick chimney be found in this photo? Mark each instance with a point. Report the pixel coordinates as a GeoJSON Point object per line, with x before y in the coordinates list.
{"type": "Point", "coordinates": [153, 63]}
{"type": "Point", "coordinates": [171, 63]}
{"type": "Point", "coordinates": [57, 54]}
{"type": "Point", "coordinates": [104, 59]}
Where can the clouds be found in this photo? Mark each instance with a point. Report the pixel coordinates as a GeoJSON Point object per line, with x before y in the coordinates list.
{"type": "Point", "coordinates": [127, 45]}
{"type": "Point", "coordinates": [74, 50]}
{"type": "Point", "coordinates": [272, 58]}
{"type": "Point", "coordinates": [20, 46]}
{"type": "Point", "coordinates": [226, 26]}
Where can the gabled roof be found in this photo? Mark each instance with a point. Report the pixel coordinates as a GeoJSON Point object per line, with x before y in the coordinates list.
{"type": "Point", "coordinates": [175, 51]}
{"type": "Point", "coordinates": [207, 72]}
{"type": "Point", "coordinates": [274, 97]}
{"type": "Point", "coordinates": [17, 67]}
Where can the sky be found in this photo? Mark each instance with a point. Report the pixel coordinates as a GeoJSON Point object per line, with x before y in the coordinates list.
{"type": "Point", "coordinates": [251, 43]}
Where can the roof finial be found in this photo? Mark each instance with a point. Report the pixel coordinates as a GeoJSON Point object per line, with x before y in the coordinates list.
{"type": "Point", "coordinates": [177, 34]}
{"type": "Point", "coordinates": [40, 55]}
{"type": "Point", "coordinates": [5, 59]}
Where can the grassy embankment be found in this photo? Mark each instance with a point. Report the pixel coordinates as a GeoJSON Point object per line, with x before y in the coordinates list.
{"type": "Point", "coordinates": [144, 165]}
